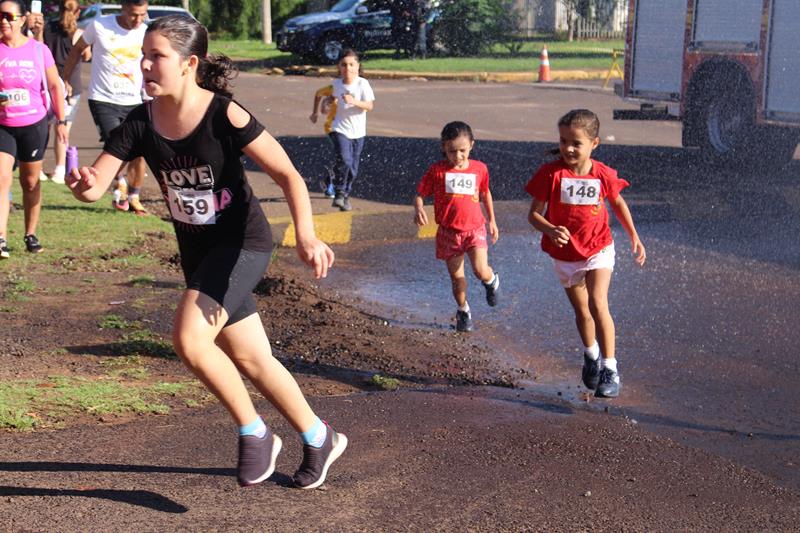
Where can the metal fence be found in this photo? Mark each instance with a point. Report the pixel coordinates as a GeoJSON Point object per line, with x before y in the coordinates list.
{"type": "Point", "coordinates": [588, 29]}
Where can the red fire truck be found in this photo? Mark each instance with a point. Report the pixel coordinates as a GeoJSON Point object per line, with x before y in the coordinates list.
{"type": "Point", "coordinates": [729, 69]}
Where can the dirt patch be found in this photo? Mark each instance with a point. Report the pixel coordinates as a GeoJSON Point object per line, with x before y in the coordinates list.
{"type": "Point", "coordinates": [98, 323]}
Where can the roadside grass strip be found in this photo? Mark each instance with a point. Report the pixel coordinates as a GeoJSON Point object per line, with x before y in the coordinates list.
{"type": "Point", "coordinates": [28, 404]}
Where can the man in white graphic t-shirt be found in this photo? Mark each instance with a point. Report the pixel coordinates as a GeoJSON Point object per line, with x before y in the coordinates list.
{"type": "Point", "coordinates": [115, 87]}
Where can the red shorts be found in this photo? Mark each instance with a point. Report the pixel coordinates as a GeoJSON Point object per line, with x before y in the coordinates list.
{"type": "Point", "coordinates": [451, 243]}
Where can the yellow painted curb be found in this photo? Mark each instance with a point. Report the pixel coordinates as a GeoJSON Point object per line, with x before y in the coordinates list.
{"type": "Point", "coordinates": [428, 231]}
{"type": "Point", "coordinates": [332, 228]}
{"type": "Point", "coordinates": [499, 77]}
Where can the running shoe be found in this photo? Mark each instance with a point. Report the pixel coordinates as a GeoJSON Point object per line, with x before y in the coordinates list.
{"type": "Point", "coordinates": [608, 385]}
{"type": "Point", "coordinates": [330, 192]}
{"type": "Point", "coordinates": [463, 321]}
{"type": "Point", "coordinates": [590, 374]}
{"type": "Point", "coordinates": [316, 461]}
{"type": "Point", "coordinates": [43, 176]}
{"type": "Point", "coordinates": [346, 205]}
{"type": "Point", "coordinates": [136, 206]}
{"type": "Point", "coordinates": [492, 290]}
{"type": "Point", "coordinates": [257, 458]}
{"type": "Point", "coordinates": [120, 204]}
{"type": "Point", "coordinates": [338, 201]}
{"type": "Point", "coordinates": [4, 253]}
{"type": "Point", "coordinates": [32, 244]}
{"type": "Point", "coordinates": [58, 175]}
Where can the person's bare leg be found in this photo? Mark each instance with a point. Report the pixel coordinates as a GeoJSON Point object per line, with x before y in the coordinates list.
{"type": "Point", "coordinates": [579, 298]}
{"type": "Point", "coordinates": [137, 170]}
{"type": "Point", "coordinates": [198, 321]}
{"type": "Point", "coordinates": [479, 258]}
{"type": "Point", "coordinates": [6, 176]}
{"type": "Point", "coordinates": [31, 194]}
{"type": "Point", "coordinates": [597, 284]}
{"type": "Point", "coordinates": [455, 267]}
{"type": "Point", "coordinates": [247, 345]}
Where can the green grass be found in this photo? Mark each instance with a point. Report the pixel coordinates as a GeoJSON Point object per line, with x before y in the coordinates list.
{"type": "Point", "coordinates": [75, 234]}
{"type": "Point", "coordinates": [385, 383]}
{"type": "Point", "coordinates": [17, 288]}
{"type": "Point", "coordinates": [27, 404]}
{"type": "Point", "coordinates": [113, 322]}
{"type": "Point", "coordinates": [563, 55]}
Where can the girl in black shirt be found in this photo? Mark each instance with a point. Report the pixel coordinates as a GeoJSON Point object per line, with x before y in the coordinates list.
{"type": "Point", "coordinates": [192, 135]}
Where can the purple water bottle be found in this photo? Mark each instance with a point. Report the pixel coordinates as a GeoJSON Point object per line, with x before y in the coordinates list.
{"type": "Point", "coordinates": [72, 159]}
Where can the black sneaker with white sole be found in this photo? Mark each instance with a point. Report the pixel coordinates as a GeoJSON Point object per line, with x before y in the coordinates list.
{"type": "Point", "coordinates": [32, 244]}
{"type": "Point", "coordinates": [463, 321]}
{"type": "Point", "coordinates": [492, 289]}
{"type": "Point", "coordinates": [4, 252]}
{"type": "Point", "coordinates": [608, 384]}
{"type": "Point", "coordinates": [590, 374]}
{"type": "Point", "coordinates": [257, 458]}
{"type": "Point", "coordinates": [316, 461]}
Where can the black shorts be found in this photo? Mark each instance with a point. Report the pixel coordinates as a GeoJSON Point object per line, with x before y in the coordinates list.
{"type": "Point", "coordinates": [26, 143]}
{"type": "Point", "coordinates": [108, 116]}
{"type": "Point", "coordinates": [228, 275]}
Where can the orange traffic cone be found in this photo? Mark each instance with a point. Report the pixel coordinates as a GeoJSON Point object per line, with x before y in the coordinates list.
{"type": "Point", "coordinates": [544, 66]}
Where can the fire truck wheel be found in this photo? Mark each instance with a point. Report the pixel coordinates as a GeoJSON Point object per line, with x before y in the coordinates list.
{"type": "Point", "coordinates": [727, 127]}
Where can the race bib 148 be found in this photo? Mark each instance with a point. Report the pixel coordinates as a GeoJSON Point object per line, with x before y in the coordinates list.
{"type": "Point", "coordinates": [580, 191]}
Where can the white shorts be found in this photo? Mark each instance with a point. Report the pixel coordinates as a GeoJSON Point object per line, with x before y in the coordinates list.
{"type": "Point", "coordinates": [571, 273]}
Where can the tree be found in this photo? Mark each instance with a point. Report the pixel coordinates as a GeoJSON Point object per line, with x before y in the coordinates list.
{"type": "Point", "coordinates": [467, 27]}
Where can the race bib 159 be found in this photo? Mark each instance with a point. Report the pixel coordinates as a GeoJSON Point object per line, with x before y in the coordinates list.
{"type": "Point", "coordinates": [580, 191]}
{"type": "Point", "coordinates": [460, 183]}
{"type": "Point", "coordinates": [191, 206]}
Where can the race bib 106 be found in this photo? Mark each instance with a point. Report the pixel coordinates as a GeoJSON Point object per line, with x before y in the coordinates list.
{"type": "Point", "coordinates": [191, 206]}
{"type": "Point", "coordinates": [19, 97]}
{"type": "Point", "coordinates": [580, 191]}
{"type": "Point", "coordinates": [460, 183]}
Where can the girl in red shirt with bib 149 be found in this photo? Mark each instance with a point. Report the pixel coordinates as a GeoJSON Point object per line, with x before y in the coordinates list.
{"type": "Point", "coordinates": [458, 185]}
{"type": "Point", "coordinates": [569, 209]}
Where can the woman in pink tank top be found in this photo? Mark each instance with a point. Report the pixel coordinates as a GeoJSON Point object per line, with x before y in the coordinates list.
{"type": "Point", "coordinates": [29, 88]}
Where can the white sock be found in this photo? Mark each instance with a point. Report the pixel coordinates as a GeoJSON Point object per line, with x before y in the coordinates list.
{"type": "Point", "coordinates": [610, 364]}
{"type": "Point", "coordinates": [59, 169]}
{"type": "Point", "coordinates": [121, 181]}
{"type": "Point", "coordinates": [592, 351]}
{"type": "Point", "coordinates": [464, 307]}
{"type": "Point", "coordinates": [494, 282]}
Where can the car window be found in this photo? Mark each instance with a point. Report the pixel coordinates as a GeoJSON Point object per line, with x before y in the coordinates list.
{"type": "Point", "coordinates": [343, 5]}
{"type": "Point", "coordinates": [154, 13]}
{"type": "Point", "coordinates": [111, 10]}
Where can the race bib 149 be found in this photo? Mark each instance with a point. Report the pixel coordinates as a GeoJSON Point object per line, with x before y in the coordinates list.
{"type": "Point", "coordinates": [460, 183]}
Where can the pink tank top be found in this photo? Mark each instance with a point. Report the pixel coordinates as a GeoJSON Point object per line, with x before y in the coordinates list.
{"type": "Point", "coordinates": [21, 78]}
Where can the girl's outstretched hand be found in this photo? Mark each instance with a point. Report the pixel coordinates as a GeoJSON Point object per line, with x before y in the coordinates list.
{"type": "Point", "coordinates": [315, 254]}
{"type": "Point", "coordinates": [81, 179]}
{"type": "Point", "coordinates": [638, 251]}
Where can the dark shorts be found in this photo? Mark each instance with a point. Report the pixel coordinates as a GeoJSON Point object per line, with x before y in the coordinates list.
{"type": "Point", "coordinates": [227, 275]}
{"type": "Point", "coordinates": [108, 116]}
{"type": "Point", "coordinates": [26, 143]}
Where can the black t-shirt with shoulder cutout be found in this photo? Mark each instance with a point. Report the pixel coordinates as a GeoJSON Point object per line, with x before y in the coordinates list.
{"type": "Point", "coordinates": [201, 177]}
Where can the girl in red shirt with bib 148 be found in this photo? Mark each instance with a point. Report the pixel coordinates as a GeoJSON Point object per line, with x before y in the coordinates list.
{"type": "Point", "coordinates": [458, 185]}
{"type": "Point", "coordinates": [569, 209]}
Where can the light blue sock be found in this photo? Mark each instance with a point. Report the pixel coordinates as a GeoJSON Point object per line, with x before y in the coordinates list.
{"type": "Point", "coordinates": [315, 436]}
{"type": "Point", "coordinates": [256, 428]}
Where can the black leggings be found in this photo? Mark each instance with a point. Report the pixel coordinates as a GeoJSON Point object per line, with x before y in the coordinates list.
{"type": "Point", "coordinates": [228, 275]}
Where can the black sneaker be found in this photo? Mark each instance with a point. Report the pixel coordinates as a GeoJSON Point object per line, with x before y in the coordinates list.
{"type": "Point", "coordinates": [492, 290]}
{"type": "Point", "coordinates": [4, 253]}
{"type": "Point", "coordinates": [346, 204]}
{"type": "Point", "coordinates": [316, 461]}
{"type": "Point", "coordinates": [608, 385]}
{"type": "Point", "coordinates": [257, 458]}
{"type": "Point", "coordinates": [463, 321]}
{"type": "Point", "coordinates": [338, 201]}
{"type": "Point", "coordinates": [591, 372]}
{"type": "Point", "coordinates": [32, 244]}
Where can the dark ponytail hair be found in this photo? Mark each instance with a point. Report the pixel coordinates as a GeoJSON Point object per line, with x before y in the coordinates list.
{"type": "Point", "coordinates": [454, 130]}
{"type": "Point", "coordinates": [190, 38]}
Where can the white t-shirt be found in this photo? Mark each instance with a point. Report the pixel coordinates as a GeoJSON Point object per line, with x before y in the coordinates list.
{"type": "Point", "coordinates": [351, 121]}
{"type": "Point", "coordinates": [116, 56]}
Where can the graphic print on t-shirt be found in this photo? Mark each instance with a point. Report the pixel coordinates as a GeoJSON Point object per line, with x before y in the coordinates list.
{"type": "Point", "coordinates": [189, 190]}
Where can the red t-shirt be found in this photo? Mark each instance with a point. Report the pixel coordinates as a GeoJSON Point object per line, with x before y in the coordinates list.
{"type": "Point", "coordinates": [578, 203]}
{"type": "Point", "coordinates": [456, 194]}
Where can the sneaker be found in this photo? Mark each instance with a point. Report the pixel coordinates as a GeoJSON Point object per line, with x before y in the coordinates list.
{"type": "Point", "coordinates": [120, 204]}
{"type": "Point", "coordinates": [4, 253]}
{"type": "Point", "coordinates": [346, 205]}
{"type": "Point", "coordinates": [32, 244]}
{"type": "Point", "coordinates": [257, 458]}
{"type": "Point", "coordinates": [338, 201]}
{"type": "Point", "coordinates": [58, 175]}
{"type": "Point", "coordinates": [492, 290]}
{"type": "Point", "coordinates": [608, 385]}
{"type": "Point", "coordinates": [330, 192]}
{"type": "Point", "coordinates": [136, 206]}
{"type": "Point", "coordinates": [43, 176]}
{"type": "Point", "coordinates": [591, 372]}
{"type": "Point", "coordinates": [463, 321]}
{"type": "Point", "coordinates": [316, 461]}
